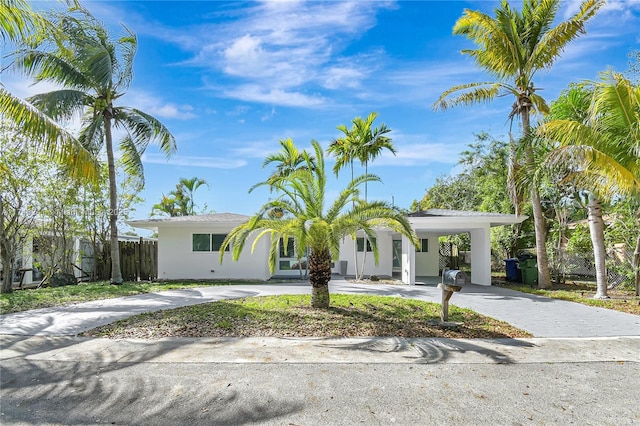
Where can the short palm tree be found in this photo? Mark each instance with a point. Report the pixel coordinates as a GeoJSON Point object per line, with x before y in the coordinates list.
{"type": "Point", "coordinates": [94, 72]}
{"type": "Point", "coordinates": [513, 46]}
{"type": "Point", "coordinates": [605, 147]}
{"type": "Point", "coordinates": [312, 225]}
{"type": "Point", "coordinates": [18, 23]}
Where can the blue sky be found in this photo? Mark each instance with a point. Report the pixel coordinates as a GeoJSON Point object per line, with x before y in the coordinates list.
{"type": "Point", "coordinates": [230, 79]}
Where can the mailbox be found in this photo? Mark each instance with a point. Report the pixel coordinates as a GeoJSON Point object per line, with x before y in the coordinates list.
{"type": "Point", "coordinates": [454, 277]}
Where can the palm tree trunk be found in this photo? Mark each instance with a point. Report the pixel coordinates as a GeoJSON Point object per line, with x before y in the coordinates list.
{"type": "Point", "coordinates": [355, 241]}
{"type": "Point", "coordinates": [116, 274]}
{"type": "Point", "coordinates": [636, 259]}
{"type": "Point", "coordinates": [596, 229]}
{"type": "Point", "coordinates": [366, 239]}
{"type": "Point", "coordinates": [319, 277]}
{"type": "Point", "coordinates": [544, 276]}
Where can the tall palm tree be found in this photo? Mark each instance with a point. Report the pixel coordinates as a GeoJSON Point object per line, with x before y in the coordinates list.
{"type": "Point", "coordinates": [512, 47]}
{"type": "Point", "coordinates": [364, 143]}
{"type": "Point", "coordinates": [605, 145]}
{"type": "Point", "coordinates": [94, 72]}
{"type": "Point", "coordinates": [18, 23]}
{"type": "Point", "coordinates": [313, 225]}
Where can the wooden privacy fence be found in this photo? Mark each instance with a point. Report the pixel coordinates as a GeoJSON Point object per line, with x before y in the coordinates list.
{"type": "Point", "coordinates": [138, 260]}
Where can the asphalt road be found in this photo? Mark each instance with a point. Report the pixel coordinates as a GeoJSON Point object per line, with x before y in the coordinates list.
{"type": "Point", "coordinates": [148, 393]}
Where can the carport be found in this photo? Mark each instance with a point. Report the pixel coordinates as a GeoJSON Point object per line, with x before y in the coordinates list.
{"type": "Point", "coordinates": [440, 222]}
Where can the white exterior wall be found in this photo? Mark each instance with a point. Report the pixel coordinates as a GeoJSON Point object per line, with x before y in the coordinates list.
{"type": "Point", "coordinates": [481, 256]}
{"type": "Point", "coordinates": [177, 260]}
{"type": "Point", "coordinates": [385, 251]}
{"type": "Point", "coordinates": [428, 264]}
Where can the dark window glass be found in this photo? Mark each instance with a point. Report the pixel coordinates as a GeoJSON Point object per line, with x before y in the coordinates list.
{"type": "Point", "coordinates": [201, 242]}
{"type": "Point", "coordinates": [360, 242]}
{"type": "Point", "coordinates": [290, 249]}
{"type": "Point", "coordinates": [217, 240]}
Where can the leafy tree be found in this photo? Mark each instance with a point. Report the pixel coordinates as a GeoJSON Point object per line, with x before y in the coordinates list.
{"type": "Point", "coordinates": [94, 71]}
{"type": "Point", "coordinates": [307, 219]}
{"type": "Point", "coordinates": [481, 185]}
{"type": "Point", "coordinates": [605, 149]}
{"type": "Point", "coordinates": [18, 172]}
{"type": "Point", "coordinates": [513, 46]}
{"type": "Point", "coordinates": [18, 25]}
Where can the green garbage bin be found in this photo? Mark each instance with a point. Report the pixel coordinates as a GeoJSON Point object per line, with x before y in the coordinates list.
{"type": "Point", "coordinates": [529, 269]}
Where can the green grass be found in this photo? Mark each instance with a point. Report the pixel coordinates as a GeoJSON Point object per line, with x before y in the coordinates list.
{"type": "Point", "coordinates": [622, 300]}
{"type": "Point", "coordinates": [292, 316]}
{"type": "Point", "coordinates": [23, 300]}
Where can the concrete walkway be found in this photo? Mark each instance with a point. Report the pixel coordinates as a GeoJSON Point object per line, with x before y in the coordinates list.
{"type": "Point", "coordinates": [540, 316]}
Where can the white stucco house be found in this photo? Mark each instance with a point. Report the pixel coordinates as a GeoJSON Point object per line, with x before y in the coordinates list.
{"type": "Point", "coordinates": [188, 247]}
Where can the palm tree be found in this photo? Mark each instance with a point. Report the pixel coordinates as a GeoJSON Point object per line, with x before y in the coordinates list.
{"type": "Point", "coordinates": [19, 22]}
{"type": "Point", "coordinates": [94, 72]}
{"type": "Point", "coordinates": [513, 47]}
{"type": "Point", "coordinates": [605, 146]}
{"type": "Point", "coordinates": [312, 225]}
{"type": "Point", "coordinates": [364, 143]}
{"type": "Point", "coordinates": [288, 160]}
{"type": "Point", "coordinates": [189, 187]}
{"type": "Point", "coordinates": [166, 205]}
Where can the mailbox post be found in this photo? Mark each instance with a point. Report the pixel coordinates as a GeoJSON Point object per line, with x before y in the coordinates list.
{"type": "Point", "coordinates": [452, 282]}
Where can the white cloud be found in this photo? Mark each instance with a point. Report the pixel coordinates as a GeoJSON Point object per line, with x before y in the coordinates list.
{"type": "Point", "coordinates": [192, 161]}
{"type": "Point", "coordinates": [416, 154]}
{"type": "Point", "coordinates": [255, 93]}
{"type": "Point", "coordinates": [281, 47]}
{"type": "Point", "coordinates": [155, 106]}
{"type": "Point", "coordinates": [341, 77]}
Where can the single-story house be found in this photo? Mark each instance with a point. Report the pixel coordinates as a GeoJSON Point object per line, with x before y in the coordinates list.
{"type": "Point", "coordinates": [188, 247]}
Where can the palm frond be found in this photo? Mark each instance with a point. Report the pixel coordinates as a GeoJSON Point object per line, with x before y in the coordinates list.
{"type": "Point", "coordinates": [471, 93]}
{"type": "Point", "coordinates": [143, 129]}
{"type": "Point", "coordinates": [132, 159]}
{"type": "Point", "coordinates": [48, 135]}
{"type": "Point", "coordinates": [62, 104]}
{"type": "Point", "coordinates": [48, 66]}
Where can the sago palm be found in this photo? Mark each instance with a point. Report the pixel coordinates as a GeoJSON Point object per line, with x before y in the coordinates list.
{"type": "Point", "coordinates": [94, 71]}
{"type": "Point", "coordinates": [315, 225]}
{"type": "Point", "coordinates": [605, 146]}
{"type": "Point", "coordinates": [512, 47]}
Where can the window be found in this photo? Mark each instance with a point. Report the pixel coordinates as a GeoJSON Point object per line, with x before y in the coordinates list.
{"type": "Point", "coordinates": [201, 242]}
{"type": "Point", "coordinates": [424, 245]}
{"type": "Point", "coordinates": [290, 249]}
{"type": "Point", "coordinates": [360, 242]}
{"type": "Point", "coordinates": [216, 240]}
{"type": "Point", "coordinates": [208, 242]}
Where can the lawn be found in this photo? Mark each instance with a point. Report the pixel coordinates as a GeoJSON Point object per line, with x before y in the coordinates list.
{"type": "Point", "coordinates": [581, 291]}
{"type": "Point", "coordinates": [24, 300]}
{"type": "Point", "coordinates": [291, 316]}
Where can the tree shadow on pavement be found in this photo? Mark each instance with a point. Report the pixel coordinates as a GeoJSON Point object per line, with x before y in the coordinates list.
{"type": "Point", "coordinates": [428, 351]}
{"type": "Point", "coordinates": [99, 389]}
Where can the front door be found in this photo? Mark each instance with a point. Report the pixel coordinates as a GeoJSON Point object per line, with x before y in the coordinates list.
{"type": "Point", "coordinates": [397, 255]}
